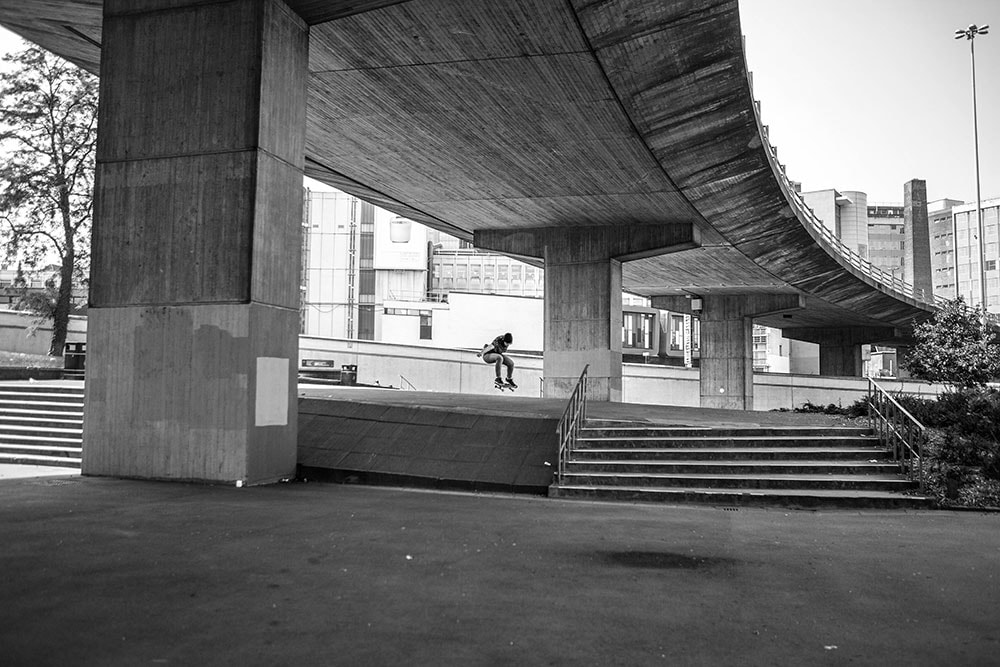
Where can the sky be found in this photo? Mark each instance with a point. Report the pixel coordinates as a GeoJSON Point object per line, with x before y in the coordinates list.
{"type": "Point", "coordinates": [868, 94]}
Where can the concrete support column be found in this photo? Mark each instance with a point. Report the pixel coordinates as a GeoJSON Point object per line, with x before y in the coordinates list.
{"type": "Point", "coordinates": [583, 290]}
{"type": "Point", "coordinates": [583, 325]}
{"type": "Point", "coordinates": [840, 360]}
{"type": "Point", "coordinates": [726, 353]}
{"type": "Point", "coordinates": [902, 372]}
{"type": "Point", "coordinates": [726, 365]}
{"type": "Point", "coordinates": [840, 349]}
{"type": "Point", "coordinates": [193, 326]}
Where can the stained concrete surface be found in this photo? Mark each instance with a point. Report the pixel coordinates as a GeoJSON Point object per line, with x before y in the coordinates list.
{"type": "Point", "coordinates": [109, 572]}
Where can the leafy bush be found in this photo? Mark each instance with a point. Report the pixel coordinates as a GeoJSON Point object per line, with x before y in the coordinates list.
{"type": "Point", "coordinates": [958, 347]}
{"type": "Point", "coordinates": [962, 452]}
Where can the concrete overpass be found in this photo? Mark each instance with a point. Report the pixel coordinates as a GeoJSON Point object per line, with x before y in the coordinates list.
{"type": "Point", "coordinates": [617, 140]}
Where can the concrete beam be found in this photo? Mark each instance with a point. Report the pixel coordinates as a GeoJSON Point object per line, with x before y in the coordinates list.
{"type": "Point", "coordinates": [192, 346]}
{"type": "Point", "coordinates": [623, 242]}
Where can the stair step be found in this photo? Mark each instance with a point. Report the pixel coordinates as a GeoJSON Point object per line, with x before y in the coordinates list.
{"type": "Point", "coordinates": [741, 441]}
{"type": "Point", "coordinates": [729, 453]}
{"type": "Point", "coordinates": [35, 429]}
{"type": "Point", "coordinates": [792, 498]}
{"type": "Point", "coordinates": [40, 406]}
{"type": "Point", "coordinates": [53, 450]}
{"type": "Point", "coordinates": [639, 431]}
{"type": "Point", "coordinates": [724, 481]}
{"type": "Point", "coordinates": [43, 414]}
{"type": "Point", "coordinates": [767, 468]}
{"type": "Point", "coordinates": [41, 460]}
{"type": "Point", "coordinates": [42, 418]}
{"type": "Point", "coordinates": [31, 438]}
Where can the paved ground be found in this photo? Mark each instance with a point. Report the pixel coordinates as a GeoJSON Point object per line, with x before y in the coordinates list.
{"type": "Point", "coordinates": [109, 572]}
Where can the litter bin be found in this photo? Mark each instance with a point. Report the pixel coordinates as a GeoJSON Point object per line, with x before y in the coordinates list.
{"type": "Point", "coordinates": [349, 374]}
{"type": "Point", "coordinates": [74, 356]}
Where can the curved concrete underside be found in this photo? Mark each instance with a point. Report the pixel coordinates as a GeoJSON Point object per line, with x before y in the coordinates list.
{"type": "Point", "coordinates": [502, 114]}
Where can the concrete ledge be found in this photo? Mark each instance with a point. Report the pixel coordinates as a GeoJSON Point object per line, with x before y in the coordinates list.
{"type": "Point", "coordinates": [349, 441]}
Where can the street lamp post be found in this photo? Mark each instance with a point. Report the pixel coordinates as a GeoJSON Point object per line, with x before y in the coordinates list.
{"type": "Point", "coordinates": [970, 35]}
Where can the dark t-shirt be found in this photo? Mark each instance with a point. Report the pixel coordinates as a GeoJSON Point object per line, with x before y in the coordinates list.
{"type": "Point", "coordinates": [499, 345]}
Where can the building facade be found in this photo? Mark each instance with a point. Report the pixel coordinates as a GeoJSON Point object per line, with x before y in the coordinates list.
{"type": "Point", "coordinates": [969, 271]}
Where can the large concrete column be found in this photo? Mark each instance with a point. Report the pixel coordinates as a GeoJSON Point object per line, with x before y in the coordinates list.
{"type": "Point", "coordinates": [726, 367]}
{"type": "Point", "coordinates": [840, 360]}
{"type": "Point", "coordinates": [583, 289]}
{"type": "Point", "coordinates": [840, 348]}
{"type": "Point", "coordinates": [583, 325]}
{"type": "Point", "coordinates": [194, 317]}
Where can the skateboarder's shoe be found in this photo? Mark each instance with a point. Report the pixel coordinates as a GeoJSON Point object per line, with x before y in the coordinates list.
{"type": "Point", "coordinates": [510, 383]}
{"type": "Point", "coordinates": [498, 383]}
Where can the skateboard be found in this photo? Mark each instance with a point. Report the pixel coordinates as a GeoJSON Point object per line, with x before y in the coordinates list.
{"type": "Point", "coordinates": [503, 386]}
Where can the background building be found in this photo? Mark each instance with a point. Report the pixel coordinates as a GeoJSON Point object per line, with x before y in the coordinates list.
{"type": "Point", "coordinates": [371, 275]}
{"type": "Point", "coordinates": [941, 221]}
{"type": "Point", "coordinates": [967, 247]}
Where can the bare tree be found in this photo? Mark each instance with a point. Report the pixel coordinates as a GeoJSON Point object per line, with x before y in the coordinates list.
{"type": "Point", "coordinates": [48, 132]}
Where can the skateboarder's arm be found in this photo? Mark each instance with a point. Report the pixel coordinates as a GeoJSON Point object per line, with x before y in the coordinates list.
{"type": "Point", "coordinates": [486, 348]}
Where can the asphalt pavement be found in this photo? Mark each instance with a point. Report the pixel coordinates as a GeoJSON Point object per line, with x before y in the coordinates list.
{"type": "Point", "coordinates": [112, 572]}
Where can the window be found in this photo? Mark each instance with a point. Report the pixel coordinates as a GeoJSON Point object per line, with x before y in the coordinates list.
{"type": "Point", "coordinates": [637, 330]}
{"type": "Point", "coordinates": [991, 265]}
{"type": "Point", "coordinates": [676, 332]}
{"type": "Point", "coordinates": [425, 325]}
{"type": "Point", "coordinates": [366, 322]}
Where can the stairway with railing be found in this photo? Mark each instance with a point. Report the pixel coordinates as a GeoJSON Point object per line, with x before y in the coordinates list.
{"type": "Point", "coordinates": [41, 424]}
{"type": "Point", "coordinates": [782, 466]}
{"type": "Point", "coordinates": [898, 431]}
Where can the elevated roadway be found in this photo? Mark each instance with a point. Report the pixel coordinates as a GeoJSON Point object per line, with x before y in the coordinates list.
{"type": "Point", "coordinates": [617, 140]}
{"type": "Point", "coordinates": [506, 114]}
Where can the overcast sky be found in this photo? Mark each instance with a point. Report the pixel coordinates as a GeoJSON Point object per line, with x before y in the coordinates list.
{"type": "Point", "coordinates": [868, 94]}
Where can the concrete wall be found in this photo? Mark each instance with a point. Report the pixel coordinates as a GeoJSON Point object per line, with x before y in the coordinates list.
{"type": "Point", "coordinates": [451, 370]}
{"type": "Point", "coordinates": [425, 368]}
{"type": "Point", "coordinates": [19, 333]}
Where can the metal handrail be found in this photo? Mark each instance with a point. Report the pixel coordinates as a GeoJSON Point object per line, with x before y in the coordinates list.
{"type": "Point", "coordinates": [403, 380]}
{"type": "Point", "coordinates": [898, 430]}
{"type": "Point", "coordinates": [883, 278]}
{"type": "Point", "coordinates": [572, 420]}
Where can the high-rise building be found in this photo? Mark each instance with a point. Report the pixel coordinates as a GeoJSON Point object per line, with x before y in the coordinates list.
{"type": "Point", "coordinates": [941, 222]}
{"type": "Point", "coordinates": [886, 238]}
{"type": "Point", "coordinates": [967, 246]}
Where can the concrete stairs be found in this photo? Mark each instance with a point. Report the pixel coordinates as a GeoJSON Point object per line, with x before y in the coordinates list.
{"type": "Point", "coordinates": [782, 467]}
{"type": "Point", "coordinates": [41, 424]}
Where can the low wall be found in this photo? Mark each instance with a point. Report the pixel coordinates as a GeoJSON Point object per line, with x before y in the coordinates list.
{"type": "Point", "coordinates": [460, 371]}
{"type": "Point", "coordinates": [20, 333]}
{"type": "Point", "coordinates": [421, 368]}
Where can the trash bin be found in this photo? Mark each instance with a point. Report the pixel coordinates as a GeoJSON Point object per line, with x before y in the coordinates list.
{"type": "Point", "coordinates": [74, 356]}
{"type": "Point", "coordinates": [349, 374]}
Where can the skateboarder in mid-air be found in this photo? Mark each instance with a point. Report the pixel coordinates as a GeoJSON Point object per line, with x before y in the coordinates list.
{"type": "Point", "coordinates": [496, 353]}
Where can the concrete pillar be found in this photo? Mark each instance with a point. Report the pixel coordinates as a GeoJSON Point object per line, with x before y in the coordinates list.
{"type": "Point", "coordinates": [840, 349]}
{"type": "Point", "coordinates": [840, 360]}
{"type": "Point", "coordinates": [726, 353]}
{"type": "Point", "coordinates": [583, 288]}
{"type": "Point", "coordinates": [192, 339]}
{"type": "Point", "coordinates": [583, 325]}
{"type": "Point", "coordinates": [902, 372]}
{"type": "Point", "coordinates": [726, 366]}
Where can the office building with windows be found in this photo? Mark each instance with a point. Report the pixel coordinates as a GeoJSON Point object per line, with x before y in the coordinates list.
{"type": "Point", "coordinates": [969, 271]}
